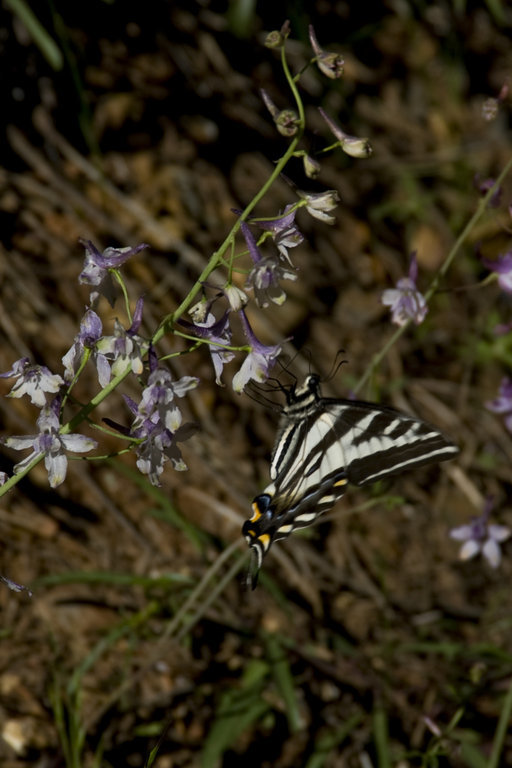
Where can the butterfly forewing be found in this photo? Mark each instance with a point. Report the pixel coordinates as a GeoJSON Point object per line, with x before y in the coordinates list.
{"type": "Point", "coordinates": [322, 444]}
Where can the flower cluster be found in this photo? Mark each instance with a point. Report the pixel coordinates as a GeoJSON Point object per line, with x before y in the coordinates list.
{"type": "Point", "coordinates": [157, 426]}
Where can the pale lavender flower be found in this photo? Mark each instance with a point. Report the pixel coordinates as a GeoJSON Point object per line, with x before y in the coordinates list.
{"type": "Point", "coordinates": [218, 334]}
{"type": "Point", "coordinates": [88, 335]}
{"type": "Point", "coordinates": [351, 145]}
{"type": "Point", "coordinates": [483, 537]}
{"type": "Point", "coordinates": [266, 273]}
{"type": "Point", "coordinates": [33, 380]}
{"type": "Point", "coordinates": [503, 403]}
{"type": "Point", "coordinates": [3, 478]}
{"type": "Point", "coordinates": [97, 268]}
{"type": "Point", "coordinates": [158, 423]}
{"type": "Point", "coordinates": [318, 204]}
{"type": "Point", "coordinates": [285, 232]}
{"type": "Point", "coordinates": [405, 301]}
{"type": "Point", "coordinates": [331, 64]}
{"type": "Point", "coordinates": [50, 444]}
{"type": "Point", "coordinates": [259, 361]}
{"type": "Point", "coordinates": [503, 268]}
{"type": "Point", "coordinates": [125, 348]}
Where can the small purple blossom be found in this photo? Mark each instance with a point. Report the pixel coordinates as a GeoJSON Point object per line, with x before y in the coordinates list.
{"type": "Point", "coordinates": [125, 348]}
{"type": "Point", "coordinates": [51, 444]}
{"type": "Point", "coordinates": [503, 268]}
{"type": "Point", "coordinates": [483, 537]}
{"type": "Point", "coordinates": [503, 403]}
{"type": "Point", "coordinates": [285, 232]}
{"type": "Point", "coordinates": [158, 423]}
{"type": "Point", "coordinates": [85, 342]}
{"type": "Point", "coordinates": [217, 333]}
{"type": "Point", "coordinates": [265, 275]}
{"type": "Point", "coordinates": [259, 361]}
{"type": "Point", "coordinates": [319, 204]}
{"type": "Point", "coordinates": [331, 64]}
{"type": "Point", "coordinates": [97, 268]}
{"type": "Point", "coordinates": [33, 380]}
{"type": "Point", "coordinates": [405, 301]}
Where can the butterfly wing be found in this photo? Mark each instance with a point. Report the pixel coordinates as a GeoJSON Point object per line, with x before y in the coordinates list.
{"type": "Point", "coordinates": [322, 445]}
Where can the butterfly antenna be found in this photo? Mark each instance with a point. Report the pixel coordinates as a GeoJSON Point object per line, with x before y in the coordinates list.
{"type": "Point", "coordinates": [338, 362]}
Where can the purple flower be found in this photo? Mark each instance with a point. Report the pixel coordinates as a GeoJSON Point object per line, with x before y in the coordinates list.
{"type": "Point", "coordinates": [503, 403]}
{"type": "Point", "coordinates": [503, 268]}
{"type": "Point", "coordinates": [259, 361]}
{"type": "Point", "coordinates": [125, 348]}
{"type": "Point", "coordinates": [284, 231]}
{"type": "Point", "coordinates": [265, 275]}
{"type": "Point", "coordinates": [97, 268]}
{"type": "Point", "coordinates": [33, 380]}
{"type": "Point", "coordinates": [318, 204]}
{"type": "Point", "coordinates": [218, 335]}
{"type": "Point", "coordinates": [158, 423]}
{"type": "Point", "coordinates": [405, 301]}
{"type": "Point", "coordinates": [331, 64]}
{"type": "Point", "coordinates": [51, 444]}
{"type": "Point", "coordinates": [483, 537]}
{"type": "Point", "coordinates": [85, 344]}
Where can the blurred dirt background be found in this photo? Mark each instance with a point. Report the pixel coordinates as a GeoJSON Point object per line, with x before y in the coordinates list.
{"type": "Point", "coordinates": [153, 130]}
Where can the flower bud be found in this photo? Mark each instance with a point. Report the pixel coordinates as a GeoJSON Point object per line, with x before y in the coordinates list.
{"type": "Point", "coordinates": [311, 167]}
{"type": "Point", "coordinates": [274, 39]}
{"type": "Point", "coordinates": [287, 122]}
{"type": "Point", "coordinates": [328, 62]}
{"type": "Point", "coordinates": [356, 147]}
{"type": "Point", "coordinates": [236, 297]}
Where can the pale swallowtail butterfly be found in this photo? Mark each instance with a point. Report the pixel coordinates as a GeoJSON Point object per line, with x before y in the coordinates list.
{"type": "Point", "coordinates": [322, 445]}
